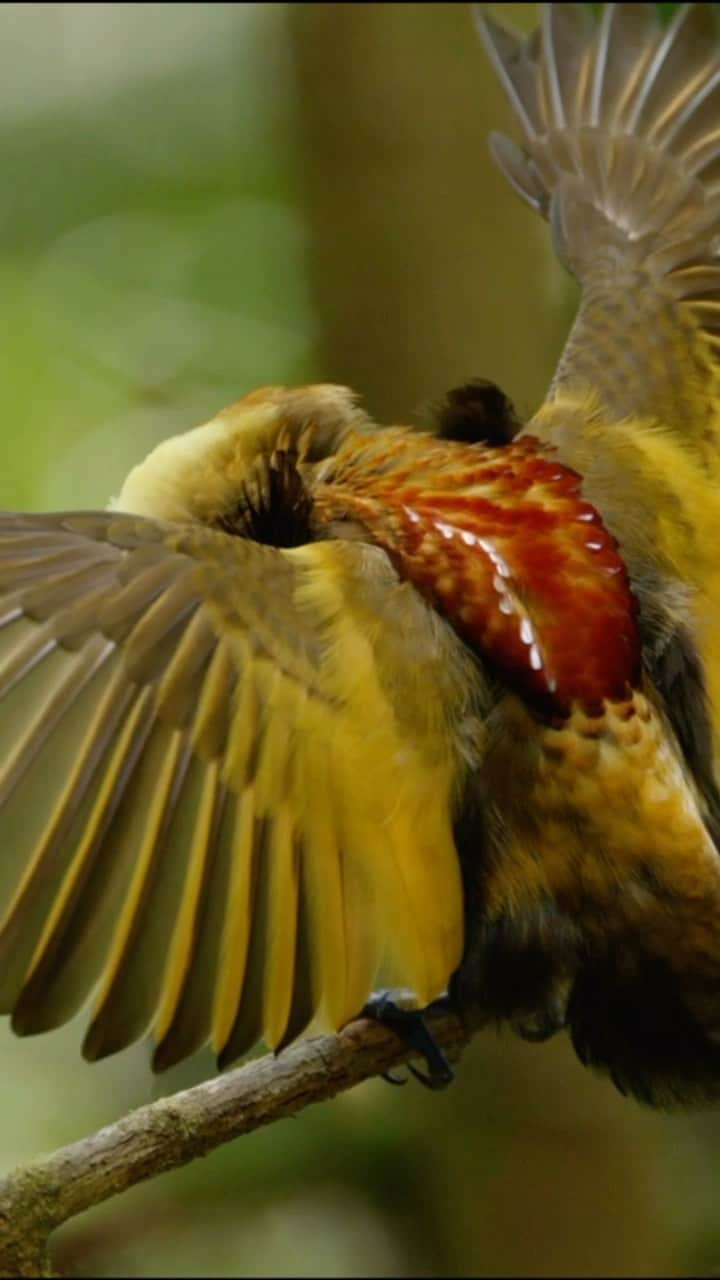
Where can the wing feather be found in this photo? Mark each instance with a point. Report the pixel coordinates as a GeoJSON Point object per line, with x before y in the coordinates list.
{"type": "Point", "coordinates": [322, 868]}
{"type": "Point", "coordinates": [43, 819]}
{"type": "Point", "coordinates": [209, 732]}
{"type": "Point", "coordinates": [302, 1003]}
{"type": "Point", "coordinates": [216, 812]}
{"type": "Point", "coordinates": [623, 157]}
{"type": "Point", "coordinates": [244, 1025]}
{"type": "Point", "coordinates": [120, 1013]}
{"type": "Point", "coordinates": [67, 958]}
{"type": "Point", "coordinates": [202, 826]}
{"type": "Point", "coordinates": [238, 922]}
{"type": "Point", "coordinates": [190, 1026]}
{"type": "Point", "coordinates": [279, 960]}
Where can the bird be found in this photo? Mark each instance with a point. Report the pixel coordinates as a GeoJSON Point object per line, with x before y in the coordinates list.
{"type": "Point", "coordinates": [316, 706]}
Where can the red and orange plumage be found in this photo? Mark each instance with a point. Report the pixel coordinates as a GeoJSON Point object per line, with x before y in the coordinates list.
{"type": "Point", "coordinates": [318, 704]}
{"type": "Point", "coordinates": [503, 544]}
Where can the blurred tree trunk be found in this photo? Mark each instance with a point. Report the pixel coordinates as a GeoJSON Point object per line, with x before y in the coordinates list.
{"type": "Point", "coordinates": [426, 268]}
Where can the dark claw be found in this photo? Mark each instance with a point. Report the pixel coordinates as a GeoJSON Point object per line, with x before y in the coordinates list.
{"type": "Point", "coordinates": [410, 1026]}
{"type": "Point", "coordinates": [436, 1079]}
{"type": "Point", "coordinates": [391, 1079]}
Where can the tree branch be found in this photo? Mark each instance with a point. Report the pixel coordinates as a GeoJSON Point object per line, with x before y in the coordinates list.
{"type": "Point", "coordinates": [38, 1197]}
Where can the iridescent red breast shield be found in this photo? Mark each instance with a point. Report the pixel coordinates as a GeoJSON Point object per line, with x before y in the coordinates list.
{"type": "Point", "coordinates": [502, 543]}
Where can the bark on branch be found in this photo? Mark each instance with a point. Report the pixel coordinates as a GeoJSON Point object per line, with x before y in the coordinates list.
{"type": "Point", "coordinates": [38, 1197]}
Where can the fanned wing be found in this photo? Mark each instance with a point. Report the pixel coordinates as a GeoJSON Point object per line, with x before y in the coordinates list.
{"type": "Point", "coordinates": [621, 123]}
{"type": "Point", "coordinates": [219, 814]}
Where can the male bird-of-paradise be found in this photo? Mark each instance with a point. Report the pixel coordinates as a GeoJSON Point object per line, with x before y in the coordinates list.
{"type": "Point", "coordinates": [317, 704]}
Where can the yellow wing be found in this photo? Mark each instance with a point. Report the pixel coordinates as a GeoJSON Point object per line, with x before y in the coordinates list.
{"type": "Point", "coordinates": [621, 120]}
{"type": "Point", "coordinates": [226, 786]}
{"type": "Point", "coordinates": [621, 153]}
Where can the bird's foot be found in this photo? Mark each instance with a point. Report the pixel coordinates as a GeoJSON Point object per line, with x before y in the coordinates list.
{"type": "Point", "coordinates": [410, 1026]}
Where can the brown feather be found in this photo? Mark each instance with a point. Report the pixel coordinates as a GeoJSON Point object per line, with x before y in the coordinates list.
{"type": "Point", "coordinates": [172, 788]}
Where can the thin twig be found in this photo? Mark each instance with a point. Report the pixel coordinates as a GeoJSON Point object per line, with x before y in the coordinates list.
{"type": "Point", "coordinates": [38, 1197]}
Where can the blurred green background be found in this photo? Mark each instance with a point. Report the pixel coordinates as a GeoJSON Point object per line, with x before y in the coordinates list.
{"type": "Point", "coordinates": [197, 199]}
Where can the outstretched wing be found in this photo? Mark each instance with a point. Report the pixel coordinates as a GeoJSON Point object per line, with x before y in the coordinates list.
{"type": "Point", "coordinates": [224, 803]}
{"type": "Point", "coordinates": [621, 153]}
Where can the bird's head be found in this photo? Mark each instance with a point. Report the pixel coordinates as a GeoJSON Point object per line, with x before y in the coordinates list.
{"type": "Point", "coordinates": [202, 474]}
